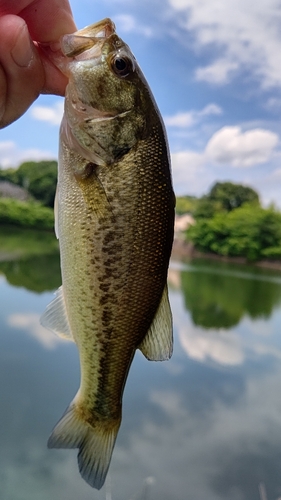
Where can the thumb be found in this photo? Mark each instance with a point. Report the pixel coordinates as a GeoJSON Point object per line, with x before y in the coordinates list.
{"type": "Point", "coordinates": [21, 71]}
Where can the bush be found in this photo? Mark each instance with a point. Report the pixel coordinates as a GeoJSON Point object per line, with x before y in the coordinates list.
{"type": "Point", "coordinates": [26, 214]}
{"type": "Point", "coordinates": [248, 231]}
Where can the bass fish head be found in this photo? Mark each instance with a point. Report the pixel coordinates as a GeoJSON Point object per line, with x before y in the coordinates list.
{"type": "Point", "coordinates": [108, 102]}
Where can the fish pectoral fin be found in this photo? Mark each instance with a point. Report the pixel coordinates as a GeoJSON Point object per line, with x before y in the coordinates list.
{"type": "Point", "coordinates": [95, 443]}
{"type": "Point", "coordinates": [55, 317]}
{"type": "Point", "coordinates": [157, 345]}
{"type": "Point", "coordinates": [99, 203]}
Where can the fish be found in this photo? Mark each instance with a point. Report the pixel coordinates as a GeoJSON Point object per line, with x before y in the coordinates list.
{"type": "Point", "coordinates": [114, 218]}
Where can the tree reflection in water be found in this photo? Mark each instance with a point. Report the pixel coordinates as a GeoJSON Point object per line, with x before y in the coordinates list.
{"type": "Point", "coordinates": [30, 259]}
{"type": "Point", "coordinates": [219, 295]}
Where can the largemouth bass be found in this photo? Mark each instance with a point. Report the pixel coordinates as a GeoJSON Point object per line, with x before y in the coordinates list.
{"type": "Point", "coordinates": [114, 214]}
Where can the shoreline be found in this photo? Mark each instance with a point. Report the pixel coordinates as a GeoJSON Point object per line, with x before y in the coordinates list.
{"type": "Point", "coordinates": [183, 249]}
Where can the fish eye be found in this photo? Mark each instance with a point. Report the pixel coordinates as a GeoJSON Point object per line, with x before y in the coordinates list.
{"type": "Point", "coordinates": [121, 66]}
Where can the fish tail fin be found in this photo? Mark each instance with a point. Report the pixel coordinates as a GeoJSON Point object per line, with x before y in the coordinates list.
{"type": "Point", "coordinates": [95, 443]}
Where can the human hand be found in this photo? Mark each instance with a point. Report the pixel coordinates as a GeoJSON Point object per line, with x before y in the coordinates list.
{"type": "Point", "coordinates": [25, 70]}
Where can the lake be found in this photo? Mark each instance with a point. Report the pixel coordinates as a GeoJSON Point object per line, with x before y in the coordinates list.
{"type": "Point", "coordinates": [205, 425]}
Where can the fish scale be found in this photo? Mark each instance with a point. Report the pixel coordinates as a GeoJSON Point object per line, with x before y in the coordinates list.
{"type": "Point", "coordinates": [114, 220]}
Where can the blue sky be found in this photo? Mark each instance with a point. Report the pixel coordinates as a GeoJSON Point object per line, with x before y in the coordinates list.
{"type": "Point", "coordinates": [215, 70]}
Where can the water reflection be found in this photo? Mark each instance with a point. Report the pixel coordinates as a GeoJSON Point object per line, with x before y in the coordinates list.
{"type": "Point", "coordinates": [205, 425]}
{"type": "Point", "coordinates": [30, 259]}
{"type": "Point", "coordinates": [217, 298]}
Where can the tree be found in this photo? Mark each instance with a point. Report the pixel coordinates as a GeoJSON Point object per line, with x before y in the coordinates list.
{"type": "Point", "coordinates": [186, 204]}
{"type": "Point", "coordinates": [232, 196]}
{"type": "Point", "coordinates": [206, 208]}
{"type": "Point", "coordinates": [9, 174]}
{"type": "Point", "coordinates": [220, 298]}
{"type": "Point", "coordinates": [40, 178]}
{"type": "Point", "coordinates": [251, 232]}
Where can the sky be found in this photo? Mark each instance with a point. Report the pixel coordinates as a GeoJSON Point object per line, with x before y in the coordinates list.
{"type": "Point", "coordinates": [214, 68]}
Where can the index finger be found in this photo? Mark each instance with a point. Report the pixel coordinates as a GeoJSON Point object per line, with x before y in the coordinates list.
{"type": "Point", "coordinates": [47, 20]}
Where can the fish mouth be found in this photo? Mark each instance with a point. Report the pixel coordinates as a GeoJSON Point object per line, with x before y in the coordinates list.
{"type": "Point", "coordinates": [91, 37]}
{"type": "Point", "coordinates": [85, 44]}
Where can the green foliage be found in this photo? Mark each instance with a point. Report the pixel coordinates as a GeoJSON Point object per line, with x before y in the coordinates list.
{"type": "Point", "coordinates": [40, 179]}
{"type": "Point", "coordinates": [10, 175]}
{"type": "Point", "coordinates": [30, 258]}
{"type": "Point", "coordinates": [37, 273]}
{"type": "Point", "coordinates": [20, 242]}
{"type": "Point", "coordinates": [223, 197]}
{"type": "Point", "coordinates": [232, 196]}
{"type": "Point", "coordinates": [251, 232]}
{"type": "Point", "coordinates": [186, 204]}
{"type": "Point", "coordinates": [26, 214]}
{"type": "Point", "coordinates": [206, 208]}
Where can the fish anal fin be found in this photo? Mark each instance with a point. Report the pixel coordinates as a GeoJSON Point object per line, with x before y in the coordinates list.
{"type": "Point", "coordinates": [157, 345]}
{"type": "Point", "coordinates": [95, 443]}
{"type": "Point", "coordinates": [55, 317]}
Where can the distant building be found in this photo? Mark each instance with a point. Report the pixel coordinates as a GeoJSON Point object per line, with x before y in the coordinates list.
{"type": "Point", "coordinates": [10, 190]}
{"type": "Point", "coordinates": [181, 247]}
{"type": "Point", "coordinates": [182, 223]}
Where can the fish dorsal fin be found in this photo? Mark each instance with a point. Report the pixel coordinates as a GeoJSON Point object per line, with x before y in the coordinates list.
{"type": "Point", "coordinates": [157, 345]}
{"type": "Point", "coordinates": [55, 317]}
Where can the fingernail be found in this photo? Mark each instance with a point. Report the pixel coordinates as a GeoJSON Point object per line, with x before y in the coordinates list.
{"type": "Point", "coordinates": [22, 52]}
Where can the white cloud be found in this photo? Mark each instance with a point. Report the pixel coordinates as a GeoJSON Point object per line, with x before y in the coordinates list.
{"type": "Point", "coordinates": [210, 441]}
{"type": "Point", "coordinates": [184, 119]}
{"type": "Point", "coordinates": [224, 349]}
{"type": "Point", "coordinates": [210, 109]}
{"type": "Point", "coordinates": [231, 146]}
{"type": "Point", "coordinates": [31, 323]}
{"type": "Point", "coordinates": [219, 72]}
{"type": "Point", "coordinates": [12, 156]}
{"type": "Point", "coordinates": [243, 34]}
{"type": "Point", "coordinates": [195, 171]}
{"type": "Point", "coordinates": [51, 114]}
{"type": "Point", "coordinates": [127, 23]}
{"type": "Point", "coordinates": [273, 104]}
{"type": "Point", "coordinates": [189, 118]}
{"type": "Point", "coordinates": [189, 173]}
{"type": "Point", "coordinates": [169, 401]}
